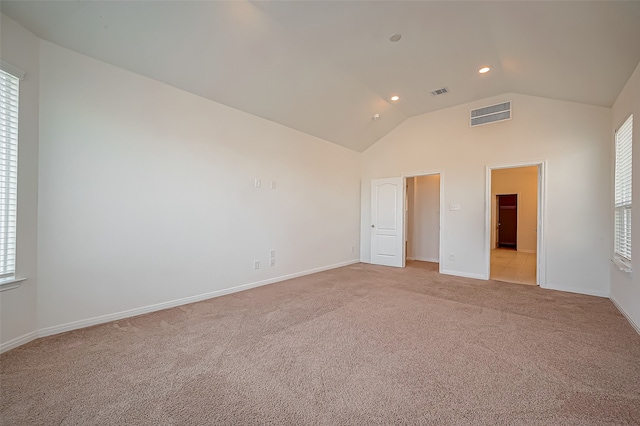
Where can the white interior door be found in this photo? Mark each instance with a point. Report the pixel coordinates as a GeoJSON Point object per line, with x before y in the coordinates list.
{"type": "Point", "coordinates": [387, 222]}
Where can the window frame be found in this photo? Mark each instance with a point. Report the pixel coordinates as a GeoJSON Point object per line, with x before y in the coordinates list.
{"type": "Point", "coordinates": [623, 200]}
{"type": "Point", "coordinates": [10, 78]}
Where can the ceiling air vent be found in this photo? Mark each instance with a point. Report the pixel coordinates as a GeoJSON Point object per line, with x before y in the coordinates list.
{"type": "Point", "coordinates": [440, 91]}
{"type": "Point", "coordinates": [491, 114]}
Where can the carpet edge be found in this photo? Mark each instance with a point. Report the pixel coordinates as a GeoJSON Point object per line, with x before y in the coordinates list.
{"type": "Point", "coordinates": [18, 341]}
{"type": "Point", "coordinates": [635, 326]}
{"type": "Point", "coordinates": [74, 325]}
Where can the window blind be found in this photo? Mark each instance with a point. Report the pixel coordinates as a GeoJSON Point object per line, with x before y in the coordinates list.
{"type": "Point", "coordinates": [623, 183]}
{"type": "Point", "coordinates": [9, 85]}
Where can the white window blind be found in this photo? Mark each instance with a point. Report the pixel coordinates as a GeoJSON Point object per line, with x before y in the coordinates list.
{"type": "Point", "coordinates": [8, 172]}
{"type": "Point", "coordinates": [622, 238]}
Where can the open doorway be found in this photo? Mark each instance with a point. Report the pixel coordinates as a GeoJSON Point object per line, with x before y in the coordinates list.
{"type": "Point", "coordinates": [515, 222]}
{"type": "Point", "coordinates": [507, 220]}
{"type": "Point", "coordinates": [390, 229]}
{"type": "Point", "coordinates": [422, 219]}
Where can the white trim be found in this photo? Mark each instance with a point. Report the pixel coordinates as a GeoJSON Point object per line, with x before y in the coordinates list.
{"type": "Point", "coordinates": [541, 248]}
{"type": "Point", "coordinates": [622, 264]}
{"type": "Point", "coordinates": [628, 317]}
{"type": "Point", "coordinates": [10, 283]}
{"type": "Point", "coordinates": [18, 341]}
{"type": "Point", "coordinates": [541, 274]}
{"type": "Point", "coordinates": [463, 274]}
{"type": "Point", "coordinates": [527, 251]}
{"type": "Point", "coordinates": [48, 331]}
{"type": "Point", "coordinates": [584, 291]}
{"type": "Point", "coordinates": [11, 69]}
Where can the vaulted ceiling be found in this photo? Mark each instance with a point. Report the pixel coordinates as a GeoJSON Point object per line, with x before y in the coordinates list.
{"type": "Point", "coordinates": [326, 67]}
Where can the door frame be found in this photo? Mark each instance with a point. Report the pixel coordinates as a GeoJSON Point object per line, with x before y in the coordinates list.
{"type": "Point", "coordinates": [541, 271]}
{"type": "Point", "coordinates": [441, 201]}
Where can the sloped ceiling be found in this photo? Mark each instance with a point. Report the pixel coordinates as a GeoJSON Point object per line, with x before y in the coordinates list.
{"type": "Point", "coordinates": [326, 67]}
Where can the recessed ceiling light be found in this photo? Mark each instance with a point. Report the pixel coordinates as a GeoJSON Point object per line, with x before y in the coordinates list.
{"type": "Point", "coordinates": [395, 98]}
{"type": "Point", "coordinates": [484, 70]}
{"type": "Point", "coordinates": [395, 37]}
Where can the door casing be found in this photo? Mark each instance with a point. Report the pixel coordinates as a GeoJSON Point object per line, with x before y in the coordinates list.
{"type": "Point", "coordinates": [541, 277]}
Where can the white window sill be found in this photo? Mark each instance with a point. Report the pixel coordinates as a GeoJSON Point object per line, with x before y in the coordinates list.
{"type": "Point", "coordinates": [10, 283]}
{"type": "Point", "coordinates": [624, 265]}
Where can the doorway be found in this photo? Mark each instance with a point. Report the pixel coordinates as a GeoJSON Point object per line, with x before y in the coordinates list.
{"type": "Point", "coordinates": [515, 250]}
{"type": "Point", "coordinates": [389, 219]}
{"type": "Point", "coordinates": [422, 218]}
{"type": "Point", "coordinates": [507, 221]}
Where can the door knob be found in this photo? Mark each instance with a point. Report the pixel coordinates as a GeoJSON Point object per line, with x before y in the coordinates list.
{"type": "Point", "coordinates": [373, 226]}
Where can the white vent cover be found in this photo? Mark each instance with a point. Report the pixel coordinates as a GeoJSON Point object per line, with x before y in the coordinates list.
{"type": "Point", "coordinates": [491, 114]}
{"type": "Point", "coordinates": [440, 91]}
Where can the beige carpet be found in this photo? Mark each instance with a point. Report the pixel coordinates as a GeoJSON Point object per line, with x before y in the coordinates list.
{"type": "Point", "coordinates": [359, 345]}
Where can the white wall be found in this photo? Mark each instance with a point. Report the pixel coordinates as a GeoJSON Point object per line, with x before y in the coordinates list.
{"type": "Point", "coordinates": [573, 138]}
{"type": "Point", "coordinates": [426, 218]}
{"type": "Point", "coordinates": [147, 195]}
{"type": "Point", "coordinates": [524, 182]}
{"type": "Point", "coordinates": [18, 307]}
{"type": "Point", "coordinates": [625, 289]}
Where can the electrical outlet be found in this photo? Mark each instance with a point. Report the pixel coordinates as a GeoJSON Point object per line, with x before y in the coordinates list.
{"type": "Point", "coordinates": [353, 249]}
{"type": "Point", "coordinates": [272, 262]}
{"type": "Point", "coordinates": [273, 184]}
{"type": "Point", "coordinates": [258, 183]}
{"type": "Point", "coordinates": [272, 253]}
{"type": "Point", "coordinates": [256, 264]}
{"type": "Point", "coordinates": [452, 257]}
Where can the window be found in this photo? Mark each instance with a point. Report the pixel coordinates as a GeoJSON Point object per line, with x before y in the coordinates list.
{"type": "Point", "coordinates": [622, 237]}
{"type": "Point", "coordinates": [8, 172]}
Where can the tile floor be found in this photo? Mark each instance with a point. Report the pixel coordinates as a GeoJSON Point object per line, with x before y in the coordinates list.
{"type": "Point", "coordinates": [513, 266]}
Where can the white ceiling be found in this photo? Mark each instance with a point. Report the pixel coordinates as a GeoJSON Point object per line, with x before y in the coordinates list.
{"type": "Point", "coordinates": [325, 67]}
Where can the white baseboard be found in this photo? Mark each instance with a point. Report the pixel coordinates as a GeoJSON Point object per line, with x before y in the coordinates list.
{"type": "Point", "coordinates": [463, 274]}
{"type": "Point", "coordinates": [527, 251]}
{"type": "Point", "coordinates": [48, 331]}
{"type": "Point", "coordinates": [18, 341]}
{"type": "Point", "coordinates": [411, 258]}
{"type": "Point", "coordinates": [587, 292]}
{"type": "Point", "coordinates": [628, 317]}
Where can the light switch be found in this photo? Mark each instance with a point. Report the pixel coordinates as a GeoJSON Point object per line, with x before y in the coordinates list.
{"type": "Point", "coordinates": [454, 207]}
